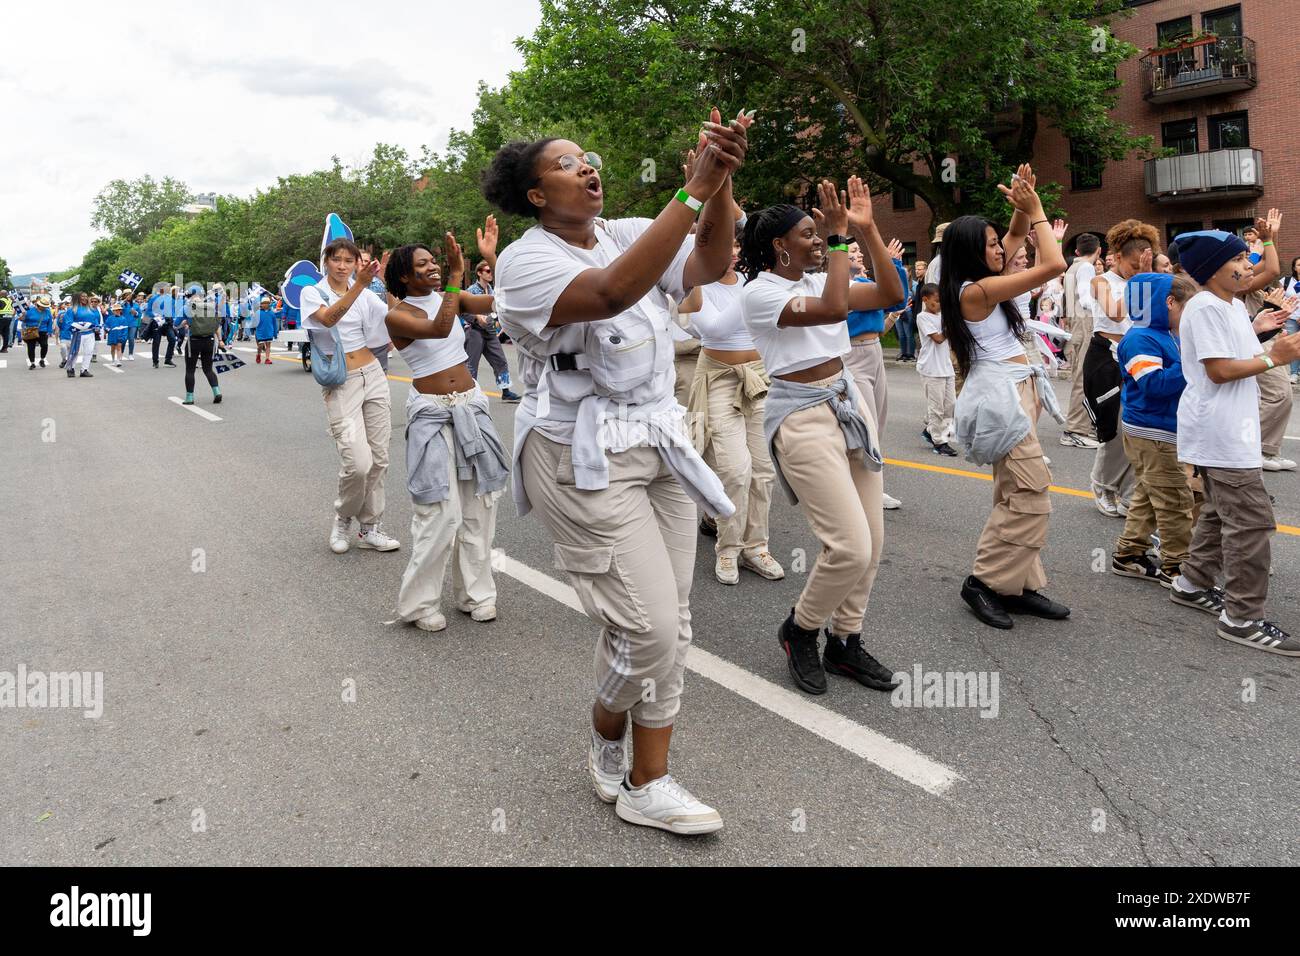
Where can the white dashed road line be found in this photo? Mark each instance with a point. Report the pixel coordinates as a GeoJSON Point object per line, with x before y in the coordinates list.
{"type": "Point", "coordinates": [195, 409]}
{"type": "Point", "coordinates": [898, 758]}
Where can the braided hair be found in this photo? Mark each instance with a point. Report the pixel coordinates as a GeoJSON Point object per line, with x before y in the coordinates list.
{"type": "Point", "coordinates": [512, 173]}
{"type": "Point", "coordinates": [401, 264]}
{"type": "Point", "coordinates": [756, 251]}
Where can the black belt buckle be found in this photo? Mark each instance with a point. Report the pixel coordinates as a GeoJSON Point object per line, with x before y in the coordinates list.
{"type": "Point", "coordinates": [564, 362]}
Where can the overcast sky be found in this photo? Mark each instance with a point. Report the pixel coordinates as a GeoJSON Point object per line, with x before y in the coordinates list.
{"type": "Point", "coordinates": [223, 96]}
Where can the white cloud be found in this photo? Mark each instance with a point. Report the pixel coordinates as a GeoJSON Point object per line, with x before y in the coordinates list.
{"type": "Point", "coordinates": [224, 97]}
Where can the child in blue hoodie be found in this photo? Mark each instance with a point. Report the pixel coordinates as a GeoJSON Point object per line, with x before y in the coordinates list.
{"type": "Point", "coordinates": [1152, 383]}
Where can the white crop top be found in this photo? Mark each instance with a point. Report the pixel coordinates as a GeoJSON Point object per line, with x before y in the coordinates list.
{"type": "Point", "coordinates": [793, 348]}
{"type": "Point", "coordinates": [719, 322]}
{"type": "Point", "coordinates": [427, 356]}
{"type": "Point", "coordinates": [1101, 322]}
{"type": "Point", "coordinates": [362, 326]}
{"type": "Point", "coordinates": [994, 340]}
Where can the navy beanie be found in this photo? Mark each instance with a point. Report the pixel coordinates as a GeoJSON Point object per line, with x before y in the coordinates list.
{"type": "Point", "coordinates": [1203, 253]}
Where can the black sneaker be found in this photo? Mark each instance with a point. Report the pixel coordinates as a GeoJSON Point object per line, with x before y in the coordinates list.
{"type": "Point", "coordinates": [85, 373]}
{"type": "Point", "coordinates": [1139, 566]}
{"type": "Point", "coordinates": [943, 448]}
{"type": "Point", "coordinates": [216, 399]}
{"type": "Point", "coordinates": [168, 364]}
{"type": "Point", "coordinates": [801, 656]}
{"type": "Point", "coordinates": [509, 396]}
{"type": "Point", "coordinates": [72, 373]}
{"type": "Point", "coordinates": [1039, 605]}
{"type": "Point", "coordinates": [63, 363]}
{"type": "Point", "coordinates": [1210, 600]}
{"type": "Point", "coordinates": [986, 603]}
{"type": "Point", "coordinates": [708, 527]}
{"type": "Point", "coordinates": [925, 433]}
{"type": "Point", "coordinates": [1261, 635]}
{"type": "Point", "coordinates": [847, 658]}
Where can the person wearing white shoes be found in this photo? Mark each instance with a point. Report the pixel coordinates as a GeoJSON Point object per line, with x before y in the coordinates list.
{"type": "Point", "coordinates": [1076, 308]}
{"type": "Point", "coordinates": [1133, 245]}
{"type": "Point", "coordinates": [936, 371]}
{"type": "Point", "coordinates": [359, 412]}
{"type": "Point", "coordinates": [1218, 432]}
{"type": "Point", "coordinates": [820, 427]}
{"type": "Point", "coordinates": [601, 450]}
{"type": "Point", "coordinates": [117, 326]}
{"type": "Point", "coordinates": [725, 411]}
{"type": "Point", "coordinates": [457, 467]}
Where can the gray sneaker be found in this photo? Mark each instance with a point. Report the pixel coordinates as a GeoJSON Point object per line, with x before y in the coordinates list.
{"type": "Point", "coordinates": [607, 761]}
{"type": "Point", "coordinates": [1210, 600]}
{"type": "Point", "coordinates": [1261, 635]}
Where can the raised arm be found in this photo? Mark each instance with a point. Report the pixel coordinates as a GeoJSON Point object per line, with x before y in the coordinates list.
{"type": "Point", "coordinates": [487, 242]}
{"type": "Point", "coordinates": [831, 216]}
{"type": "Point", "coordinates": [1269, 266]}
{"type": "Point", "coordinates": [598, 294]}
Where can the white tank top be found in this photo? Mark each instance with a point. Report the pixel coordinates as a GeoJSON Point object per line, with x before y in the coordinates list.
{"type": "Point", "coordinates": [993, 337]}
{"type": "Point", "coordinates": [719, 321]}
{"type": "Point", "coordinates": [1101, 322]}
{"type": "Point", "coordinates": [427, 356]}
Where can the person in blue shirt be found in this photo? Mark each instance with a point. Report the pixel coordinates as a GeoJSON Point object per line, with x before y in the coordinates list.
{"type": "Point", "coordinates": [83, 322]}
{"type": "Point", "coordinates": [865, 358]}
{"type": "Point", "coordinates": [131, 311]}
{"type": "Point", "coordinates": [267, 327]}
{"type": "Point", "coordinates": [39, 317]}
{"type": "Point", "coordinates": [1151, 381]}
{"type": "Point", "coordinates": [118, 327]}
{"type": "Point", "coordinates": [159, 311]}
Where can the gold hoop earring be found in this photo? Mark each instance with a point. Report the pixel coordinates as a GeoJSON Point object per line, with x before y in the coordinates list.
{"type": "Point", "coordinates": [785, 260]}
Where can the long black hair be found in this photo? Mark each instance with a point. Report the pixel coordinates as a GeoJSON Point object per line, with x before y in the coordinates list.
{"type": "Point", "coordinates": [962, 259]}
{"type": "Point", "coordinates": [401, 264]}
{"type": "Point", "coordinates": [756, 252]}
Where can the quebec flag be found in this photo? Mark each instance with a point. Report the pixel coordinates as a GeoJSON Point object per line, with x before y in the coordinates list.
{"type": "Point", "coordinates": [133, 279]}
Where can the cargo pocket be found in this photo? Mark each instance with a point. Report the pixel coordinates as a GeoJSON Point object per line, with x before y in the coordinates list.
{"type": "Point", "coordinates": [1028, 505]}
{"type": "Point", "coordinates": [622, 353]}
{"type": "Point", "coordinates": [601, 588]}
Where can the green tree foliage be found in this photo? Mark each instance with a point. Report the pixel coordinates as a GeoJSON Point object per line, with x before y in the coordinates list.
{"type": "Point", "coordinates": [942, 99]}
{"type": "Point", "coordinates": [134, 209]}
{"type": "Point", "coordinates": [5, 277]}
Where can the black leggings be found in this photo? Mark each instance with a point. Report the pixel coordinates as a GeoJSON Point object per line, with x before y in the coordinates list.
{"type": "Point", "coordinates": [199, 347]}
{"type": "Point", "coordinates": [1102, 384]}
{"type": "Point", "coordinates": [44, 339]}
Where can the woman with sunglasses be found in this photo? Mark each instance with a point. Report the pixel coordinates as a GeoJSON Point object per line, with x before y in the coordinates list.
{"type": "Point", "coordinates": [601, 449]}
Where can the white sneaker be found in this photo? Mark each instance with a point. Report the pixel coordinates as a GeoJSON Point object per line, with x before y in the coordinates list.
{"type": "Point", "coordinates": [340, 535]}
{"type": "Point", "coordinates": [725, 570]}
{"type": "Point", "coordinates": [130, 358]}
{"type": "Point", "coordinates": [666, 804]}
{"type": "Point", "coordinates": [376, 540]}
{"type": "Point", "coordinates": [432, 622]}
{"type": "Point", "coordinates": [607, 762]}
{"type": "Point", "coordinates": [482, 613]}
{"type": "Point", "coordinates": [1046, 460]}
{"type": "Point", "coordinates": [1106, 504]}
{"type": "Point", "coordinates": [1075, 440]}
{"type": "Point", "coordinates": [1278, 463]}
{"type": "Point", "coordinates": [763, 564]}
{"type": "Point", "coordinates": [890, 502]}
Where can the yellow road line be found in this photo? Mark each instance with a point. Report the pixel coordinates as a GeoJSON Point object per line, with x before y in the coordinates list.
{"type": "Point", "coordinates": [1059, 489]}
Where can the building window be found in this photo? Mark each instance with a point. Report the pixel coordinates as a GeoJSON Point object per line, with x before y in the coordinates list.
{"type": "Point", "coordinates": [1233, 226]}
{"type": "Point", "coordinates": [1169, 33]}
{"type": "Point", "coordinates": [1085, 167]}
{"type": "Point", "coordinates": [904, 198]}
{"type": "Point", "coordinates": [1224, 23]}
{"type": "Point", "coordinates": [1229, 130]}
{"type": "Point", "coordinates": [1180, 136]}
{"type": "Point", "coordinates": [1176, 229]}
{"type": "Point", "coordinates": [909, 255]}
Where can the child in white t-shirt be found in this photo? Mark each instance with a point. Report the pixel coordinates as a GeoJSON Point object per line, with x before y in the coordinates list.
{"type": "Point", "coordinates": [1218, 432]}
{"type": "Point", "coordinates": [937, 375]}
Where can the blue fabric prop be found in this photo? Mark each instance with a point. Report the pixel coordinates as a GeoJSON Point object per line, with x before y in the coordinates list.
{"type": "Point", "coordinates": [226, 361]}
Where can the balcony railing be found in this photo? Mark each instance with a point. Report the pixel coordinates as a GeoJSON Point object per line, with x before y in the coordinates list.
{"type": "Point", "coordinates": [1217, 174]}
{"type": "Point", "coordinates": [1205, 67]}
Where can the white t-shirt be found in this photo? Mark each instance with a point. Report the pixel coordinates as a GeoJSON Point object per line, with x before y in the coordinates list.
{"type": "Point", "coordinates": [796, 347]}
{"type": "Point", "coordinates": [1101, 322]}
{"type": "Point", "coordinates": [994, 340]}
{"type": "Point", "coordinates": [718, 322]}
{"type": "Point", "coordinates": [1218, 425]}
{"type": "Point", "coordinates": [532, 274]}
{"type": "Point", "coordinates": [936, 357]}
{"type": "Point", "coordinates": [362, 326]}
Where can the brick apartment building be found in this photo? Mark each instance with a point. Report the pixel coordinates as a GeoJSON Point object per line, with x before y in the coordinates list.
{"type": "Point", "coordinates": [1226, 99]}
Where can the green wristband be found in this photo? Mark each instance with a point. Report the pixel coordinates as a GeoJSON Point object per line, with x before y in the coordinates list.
{"type": "Point", "coordinates": [451, 289]}
{"type": "Point", "coordinates": [695, 205]}
{"type": "Point", "coordinates": [839, 248]}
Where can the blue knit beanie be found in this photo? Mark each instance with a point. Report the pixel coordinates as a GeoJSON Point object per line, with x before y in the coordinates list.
{"type": "Point", "coordinates": [1203, 253]}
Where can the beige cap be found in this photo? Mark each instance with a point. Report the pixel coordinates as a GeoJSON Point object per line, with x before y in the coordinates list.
{"type": "Point", "coordinates": [938, 232]}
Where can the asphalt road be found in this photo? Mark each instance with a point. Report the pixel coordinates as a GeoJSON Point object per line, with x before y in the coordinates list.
{"type": "Point", "coordinates": [187, 560]}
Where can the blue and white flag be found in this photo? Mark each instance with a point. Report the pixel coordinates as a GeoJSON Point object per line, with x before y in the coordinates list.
{"type": "Point", "coordinates": [133, 279]}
